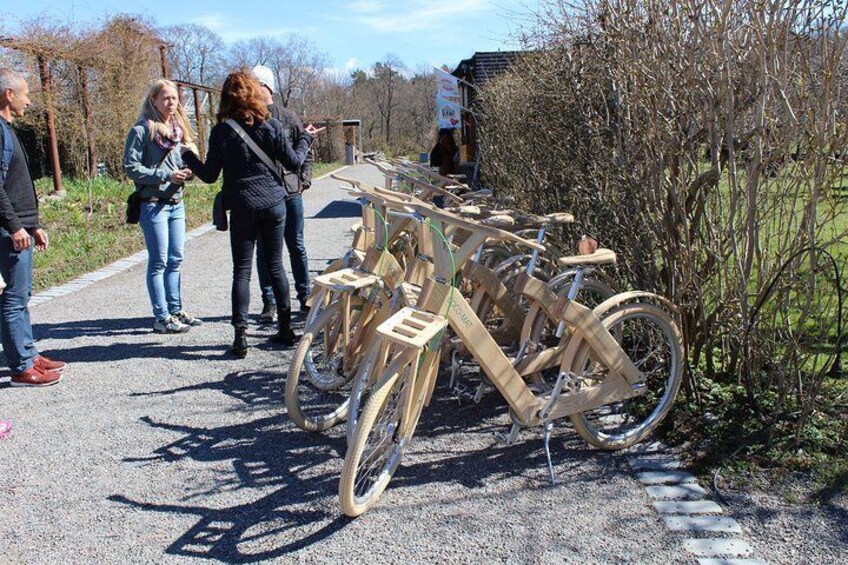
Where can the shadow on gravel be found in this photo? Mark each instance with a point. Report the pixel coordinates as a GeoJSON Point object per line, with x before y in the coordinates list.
{"type": "Point", "coordinates": [118, 327]}
{"type": "Point", "coordinates": [835, 516]}
{"type": "Point", "coordinates": [132, 350]}
{"type": "Point", "coordinates": [255, 388]}
{"type": "Point", "coordinates": [340, 209]}
{"type": "Point", "coordinates": [455, 444]}
{"type": "Point", "coordinates": [494, 460]}
{"type": "Point", "coordinates": [264, 453]}
{"type": "Point", "coordinates": [164, 348]}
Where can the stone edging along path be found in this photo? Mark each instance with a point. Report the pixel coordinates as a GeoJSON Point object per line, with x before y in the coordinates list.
{"type": "Point", "coordinates": [121, 265]}
{"type": "Point", "coordinates": [684, 507]}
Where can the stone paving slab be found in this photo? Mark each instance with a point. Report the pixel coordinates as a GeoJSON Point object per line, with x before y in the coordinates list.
{"type": "Point", "coordinates": [679, 492]}
{"type": "Point", "coordinates": [702, 524]}
{"type": "Point", "coordinates": [687, 507]}
{"type": "Point", "coordinates": [718, 547]}
{"type": "Point", "coordinates": [665, 477]}
{"type": "Point", "coordinates": [654, 464]}
{"type": "Point", "coordinates": [712, 561]}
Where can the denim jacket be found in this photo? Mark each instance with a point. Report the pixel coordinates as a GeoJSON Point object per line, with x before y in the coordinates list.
{"type": "Point", "coordinates": [146, 164]}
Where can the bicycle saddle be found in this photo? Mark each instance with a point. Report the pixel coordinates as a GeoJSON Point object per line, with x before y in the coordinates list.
{"type": "Point", "coordinates": [499, 221]}
{"type": "Point", "coordinates": [598, 257]}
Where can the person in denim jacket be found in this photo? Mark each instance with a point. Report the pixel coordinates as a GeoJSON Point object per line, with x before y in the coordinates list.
{"type": "Point", "coordinates": [152, 160]}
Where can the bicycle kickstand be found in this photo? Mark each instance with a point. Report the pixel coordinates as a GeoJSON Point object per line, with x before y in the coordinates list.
{"type": "Point", "coordinates": [549, 426]}
{"type": "Point", "coordinates": [545, 414]}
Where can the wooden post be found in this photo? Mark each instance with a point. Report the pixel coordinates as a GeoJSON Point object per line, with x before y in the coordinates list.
{"type": "Point", "coordinates": [163, 61]}
{"type": "Point", "coordinates": [44, 71]}
{"type": "Point", "coordinates": [201, 138]}
{"type": "Point", "coordinates": [89, 122]}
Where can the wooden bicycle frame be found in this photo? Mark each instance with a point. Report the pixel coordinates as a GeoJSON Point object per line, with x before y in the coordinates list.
{"type": "Point", "coordinates": [438, 297]}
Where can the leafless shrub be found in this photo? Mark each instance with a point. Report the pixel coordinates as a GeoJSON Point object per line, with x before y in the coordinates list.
{"type": "Point", "coordinates": [702, 140]}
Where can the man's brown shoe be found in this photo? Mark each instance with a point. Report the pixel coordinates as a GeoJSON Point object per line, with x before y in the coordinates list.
{"type": "Point", "coordinates": [42, 363]}
{"type": "Point", "coordinates": [36, 377]}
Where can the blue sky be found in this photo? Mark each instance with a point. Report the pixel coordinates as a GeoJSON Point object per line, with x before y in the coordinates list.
{"type": "Point", "coordinates": [354, 34]}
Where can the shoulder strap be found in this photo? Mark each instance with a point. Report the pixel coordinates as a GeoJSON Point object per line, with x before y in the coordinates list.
{"type": "Point", "coordinates": [255, 148]}
{"type": "Point", "coordinates": [8, 147]}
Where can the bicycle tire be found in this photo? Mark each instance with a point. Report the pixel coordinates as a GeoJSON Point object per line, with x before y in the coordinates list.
{"type": "Point", "coordinates": [377, 447]}
{"type": "Point", "coordinates": [625, 423]}
{"type": "Point", "coordinates": [312, 406]}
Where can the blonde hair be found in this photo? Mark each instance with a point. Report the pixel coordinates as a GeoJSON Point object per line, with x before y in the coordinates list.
{"type": "Point", "coordinates": [155, 122]}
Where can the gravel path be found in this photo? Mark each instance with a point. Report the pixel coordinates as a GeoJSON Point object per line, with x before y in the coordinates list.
{"type": "Point", "coordinates": [162, 449]}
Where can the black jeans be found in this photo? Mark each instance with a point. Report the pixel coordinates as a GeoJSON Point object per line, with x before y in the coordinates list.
{"type": "Point", "coordinates": [246, 226]}
{"type": "Point", "coordinates": [297, 254]}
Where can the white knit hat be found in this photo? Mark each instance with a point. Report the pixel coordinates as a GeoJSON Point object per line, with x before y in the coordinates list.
{"type": "Point", "coordinates": [265, 76]}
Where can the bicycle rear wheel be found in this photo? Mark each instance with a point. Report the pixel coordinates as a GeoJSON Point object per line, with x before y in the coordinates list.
{"type": "Point", "coordinates": [378, 442]}
{"type": "Point", "coordinates": [654, 344]}
{"type": "Point", "coordinates": [317, 384]}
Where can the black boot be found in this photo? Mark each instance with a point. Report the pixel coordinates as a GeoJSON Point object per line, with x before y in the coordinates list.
{"type": "Point", "coordinates": [269, 313]}
{"type": "Point", "coordinates": [239, 348]}
{"type": "Point", "coordinates": [284, 335]}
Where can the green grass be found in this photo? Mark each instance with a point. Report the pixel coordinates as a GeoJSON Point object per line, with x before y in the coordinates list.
{"type": "Point", "coordinates": [87, 228]}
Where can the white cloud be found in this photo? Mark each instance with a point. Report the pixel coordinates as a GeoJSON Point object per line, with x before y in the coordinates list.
{"type": "Point", "coordinates": [213, 21]}
{"type": "Point", "coordinates": [235, 30]}
{"type": "Point", "coordinates": [418, 15]}
{"type": "Point", "coordinates": [366, 6]}
{"type": "Point", "coordinates": [351, 65]}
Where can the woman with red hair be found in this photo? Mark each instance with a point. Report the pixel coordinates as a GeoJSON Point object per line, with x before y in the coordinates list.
{"type": "Point", "coordinates": [249, 146]}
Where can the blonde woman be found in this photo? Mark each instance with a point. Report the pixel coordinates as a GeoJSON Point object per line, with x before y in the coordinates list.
{"type": "Point", "coordinates": [152, 160]}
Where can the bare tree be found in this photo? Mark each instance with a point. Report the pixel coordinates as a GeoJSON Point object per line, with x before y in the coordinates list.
{"type": "Point", "coordinates": [385, 83]}
{"type": "Point", "coordinates": [296, 62]}
{"type": "Point", "coordinates": [195, 53]}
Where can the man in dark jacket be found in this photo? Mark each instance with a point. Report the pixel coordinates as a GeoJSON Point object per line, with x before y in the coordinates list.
{"type": "Point", "coordinates": [19, 233]}
{"type": "Point", "coordinates": [296, 182]}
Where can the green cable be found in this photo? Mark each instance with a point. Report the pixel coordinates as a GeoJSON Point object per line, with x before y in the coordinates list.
{"type": "Point", "coordinates": [386, 235]}
{"type": "Point", "coordinates": [453, 260]}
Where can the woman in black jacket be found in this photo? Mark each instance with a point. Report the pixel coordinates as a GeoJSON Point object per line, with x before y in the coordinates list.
{"type": "Point", "coordinates": [254, 194]}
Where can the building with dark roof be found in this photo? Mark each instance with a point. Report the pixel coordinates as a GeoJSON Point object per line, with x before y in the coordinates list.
{"type": "Point", "coordinates": [474, 72]}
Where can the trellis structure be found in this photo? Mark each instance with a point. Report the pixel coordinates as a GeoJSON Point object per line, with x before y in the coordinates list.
{"type": "Point", "coordinates": [86, 54]}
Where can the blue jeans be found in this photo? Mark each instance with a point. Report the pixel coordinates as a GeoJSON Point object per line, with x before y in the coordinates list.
{"type": "Point", "coordinates": [246, 228]}
{"type": "Point", "coordinates": [15, 325]}
{"type": "Point", "coordinates": [164, 233]}
{"type": "Point", "coordinates": [297, 254]}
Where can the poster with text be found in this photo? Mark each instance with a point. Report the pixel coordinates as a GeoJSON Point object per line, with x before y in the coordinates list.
{"type": "Point", "coordinates": [448, 100]}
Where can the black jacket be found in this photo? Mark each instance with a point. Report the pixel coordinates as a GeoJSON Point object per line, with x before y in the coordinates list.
{"type": "Point", "coordinates": [248, 182]}
{"type": "Point", "coordinates": [293, 128]}
{"type": "Point", "coordinates": [18, 200]}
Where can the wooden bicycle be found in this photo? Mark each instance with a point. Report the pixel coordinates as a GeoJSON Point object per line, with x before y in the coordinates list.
{"type": "Point", "coordinates": [618, 377]}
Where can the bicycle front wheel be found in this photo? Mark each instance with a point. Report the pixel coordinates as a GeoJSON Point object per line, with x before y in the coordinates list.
{"type": "Point", "coordinates": [654, 344]}
{"type": "Point", "coordinates": [378, 443]}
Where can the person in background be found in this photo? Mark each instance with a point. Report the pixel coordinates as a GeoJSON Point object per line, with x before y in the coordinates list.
{"type": "Point", "coordinates": [19, 233]}
{"type": "Point", "coordinates": [253, 193]}
{"type": "Point", "coordinates": [152, 160]}
{"type": "Point", "coordinates": [295, 183]}
{"type": "Point", "coordinates": [448, 152]}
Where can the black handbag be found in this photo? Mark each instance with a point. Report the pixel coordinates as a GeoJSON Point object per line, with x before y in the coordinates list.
{"type": "Point", "coordinates": [219, 212]}
{"type": "Point", "coordinates": [133, 208]}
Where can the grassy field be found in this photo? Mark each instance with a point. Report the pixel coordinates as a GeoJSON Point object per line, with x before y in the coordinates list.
{"type": "Point", "coordinates": [87, 228]}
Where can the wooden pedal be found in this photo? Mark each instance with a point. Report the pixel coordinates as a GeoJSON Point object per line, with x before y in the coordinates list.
{"type": "Point", "coordinates": [346, 280]}
{"type": "Point", "coordinates": [412, 327]}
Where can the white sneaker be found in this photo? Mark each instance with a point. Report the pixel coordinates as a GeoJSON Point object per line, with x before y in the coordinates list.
{"type": "Point", "coordinates": [170, 325]}
{"type": "Point", "coordinates": [184, 318]}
